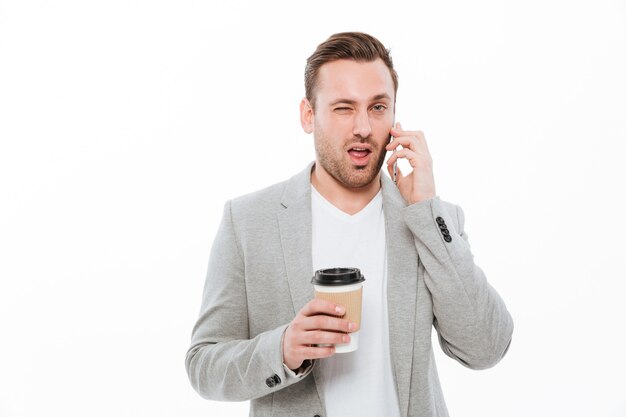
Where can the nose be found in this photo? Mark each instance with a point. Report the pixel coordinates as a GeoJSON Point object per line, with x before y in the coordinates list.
{"type": "Point", "coordinates": [362, 126]}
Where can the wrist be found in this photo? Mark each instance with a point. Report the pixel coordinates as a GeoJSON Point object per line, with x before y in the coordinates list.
{"type": "Point", "coordinates": [415, 199]}
{"type": "Point", "coordinates": [300, 372]}
{"type": "Point", "coordinates": [292, 365]}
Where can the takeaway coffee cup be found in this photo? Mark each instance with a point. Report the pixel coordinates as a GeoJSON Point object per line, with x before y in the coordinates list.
{"type": "Point", "coordinates": [343, 286]}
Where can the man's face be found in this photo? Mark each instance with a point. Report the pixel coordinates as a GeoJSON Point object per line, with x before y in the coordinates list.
{"type": "Point", "coordinates": [354, 111]}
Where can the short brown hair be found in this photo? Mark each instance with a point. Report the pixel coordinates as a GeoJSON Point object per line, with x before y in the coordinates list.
{"type": "Point", "coordinates": [356, 46]}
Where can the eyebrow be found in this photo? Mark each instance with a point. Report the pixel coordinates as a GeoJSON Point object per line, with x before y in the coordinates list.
{"type": "Point", "coordinates": [353, 102]}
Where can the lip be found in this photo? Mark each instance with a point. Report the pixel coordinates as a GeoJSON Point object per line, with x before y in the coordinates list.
{"type": "Point", "coordinates": [360, 160]}
{"type": "Point", "coordinates": [362, 146]}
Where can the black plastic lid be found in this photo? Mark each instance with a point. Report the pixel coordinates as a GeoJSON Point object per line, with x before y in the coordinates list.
{"type": "Point", "coordinates": [337, 276]}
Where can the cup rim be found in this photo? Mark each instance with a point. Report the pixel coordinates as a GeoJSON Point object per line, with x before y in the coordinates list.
{"type": "Point", "coordinates": [337, 276]}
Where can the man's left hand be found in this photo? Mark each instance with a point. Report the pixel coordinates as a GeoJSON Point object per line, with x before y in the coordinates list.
{"type": "Point", "coordinates": [419, 185]}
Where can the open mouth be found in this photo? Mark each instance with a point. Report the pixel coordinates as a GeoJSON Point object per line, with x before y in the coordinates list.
{"type": "Point", "coordinates": [360, 154]}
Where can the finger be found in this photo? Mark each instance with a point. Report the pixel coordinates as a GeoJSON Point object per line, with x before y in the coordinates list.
{"type": "Point", "coordinates": [318, 306]}
{"type": "Point", "coordinates": [407, 154]}
{"type": "Point", "coordinates": [323, 322]}
{"type": "Point", "coordinates": [315, 352]}
{"type": "Point", "coordinates": [411, 142]}
{"type": "Point", "coordinates": [398, 172]}
{"type": "Point", "coordinates": [406, 139]}
{"type": "Point", "coordinates": [393, 158]}
{"type": "Point", "coordinates": [396, 126]}
{"type": "Point", "coordinates": [392, 144]}
{"type": "Point", "coordinates": [315, 337]}
{"type": "Point", "coordinates": [398, 131]}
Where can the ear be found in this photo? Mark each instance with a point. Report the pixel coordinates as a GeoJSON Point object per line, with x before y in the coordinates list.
{"type": "Point", "coordinates": [306, 116]}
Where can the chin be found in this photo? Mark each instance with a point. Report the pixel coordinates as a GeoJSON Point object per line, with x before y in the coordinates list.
{"type": "Point", "coordinates": [361, 178]}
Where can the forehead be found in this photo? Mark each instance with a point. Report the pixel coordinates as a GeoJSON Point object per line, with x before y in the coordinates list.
{"type": "Point", "coordinates": [353, 80]}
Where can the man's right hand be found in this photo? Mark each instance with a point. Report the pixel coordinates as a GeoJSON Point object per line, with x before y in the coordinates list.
{"type": "Point", "coordinates": [316, 323]}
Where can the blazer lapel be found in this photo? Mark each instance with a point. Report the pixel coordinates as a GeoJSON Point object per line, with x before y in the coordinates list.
{"type": "Point", "coordinates": [294, 223]}
{"type": "Point", "coordinates": [402, 269]}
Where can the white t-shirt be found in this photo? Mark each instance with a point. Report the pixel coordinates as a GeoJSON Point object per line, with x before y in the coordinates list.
{"type": "Point", "coordinates": [358, 383]}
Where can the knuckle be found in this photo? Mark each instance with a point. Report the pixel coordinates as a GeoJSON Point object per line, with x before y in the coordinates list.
{"type": "Point", "coordinates": [310, 353]}
{"type": "Point", "coordinates": [318, 322]}
{"type": "Point", "coordinates": [341, 325]}
{"type": "Point", "coordinates": [320, 352]}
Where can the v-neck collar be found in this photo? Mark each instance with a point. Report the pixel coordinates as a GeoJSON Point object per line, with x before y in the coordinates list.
{"type": "Point", "coordinates": [374, 205]}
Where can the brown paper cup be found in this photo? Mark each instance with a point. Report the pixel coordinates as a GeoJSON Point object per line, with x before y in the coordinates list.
{"type": "Point", "coordinates": [351, 300]}
{"type": "Point", "coordinates": [351, 297]}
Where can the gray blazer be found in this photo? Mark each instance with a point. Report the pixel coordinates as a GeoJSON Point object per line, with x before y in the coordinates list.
{"type": "Point", "coordinates": [259, 276]}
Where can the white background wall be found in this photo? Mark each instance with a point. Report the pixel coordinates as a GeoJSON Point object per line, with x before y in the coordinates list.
{"type": "Point", "coordinates": [126, 125]}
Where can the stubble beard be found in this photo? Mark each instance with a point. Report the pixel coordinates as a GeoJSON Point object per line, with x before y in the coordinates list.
{"type": "Point", "coordinates": [342, 169]}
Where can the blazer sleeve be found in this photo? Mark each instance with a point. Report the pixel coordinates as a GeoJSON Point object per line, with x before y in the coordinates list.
{"type": "Point", "coordinates": [471, 319]}
{"type": "Point", "coordinates": [223, 362]}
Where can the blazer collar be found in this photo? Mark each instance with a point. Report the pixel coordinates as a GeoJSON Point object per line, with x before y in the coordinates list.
{"type": "Point", "coordinates": [298, 188]}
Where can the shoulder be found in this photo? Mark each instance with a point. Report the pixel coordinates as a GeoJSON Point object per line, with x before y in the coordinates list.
{"type": "Point", "coordinates": [269, 200]}
{"type": "Point", "coordinates": [266, 200]}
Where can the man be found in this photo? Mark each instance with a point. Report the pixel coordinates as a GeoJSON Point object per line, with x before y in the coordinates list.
{"type": "Point", "coordinates": [259, 328]}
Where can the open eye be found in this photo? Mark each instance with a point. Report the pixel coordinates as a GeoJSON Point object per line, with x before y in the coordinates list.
{"type": "Point", "coordinates": [379, 108]}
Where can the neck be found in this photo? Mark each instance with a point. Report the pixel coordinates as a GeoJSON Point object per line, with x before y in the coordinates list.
{"type": "Point", "coordinates": [347, 199]}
